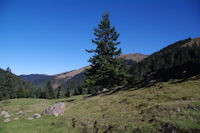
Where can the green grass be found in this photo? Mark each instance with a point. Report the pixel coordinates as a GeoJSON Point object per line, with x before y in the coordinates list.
{"type": "Point", "coordinates": [141, 110]}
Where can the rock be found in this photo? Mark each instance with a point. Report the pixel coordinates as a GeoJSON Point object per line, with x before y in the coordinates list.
{"type": "Point", "coordinates": [149, 101]}
{"type": "Point", "coordinates": [7, 116]}
{"type": "Point", "coordinates": [56, 109]}
{"type": "Point", "coordinates": [37, 116]}
{"type": "Point", "coordinates": [55, 114]}
{"type": "Point", "coordinates": [24, 114]}
{"type": "Point", "coordinates": [105, 89]}
{"type": "Point", "coordinates": [193, 108]}
{"type": "Point", "coordinates": [30, 118]}
{"type": "Point", "coordinates": [20, 112]}
{"type": "Point", "coordinates": [3, 113]}
{"type": "Point", "coordinates": [169, 129]}
{"type": "Point", "coordinates": [15, 119]}
{"type": "Point", "coordinates": [7, 120]}
{"type": "Point", "coordinates": [123, 101]}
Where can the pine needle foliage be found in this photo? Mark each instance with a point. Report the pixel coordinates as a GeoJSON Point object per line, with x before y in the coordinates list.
{"type": "Point", "coordinates": [106, 70]}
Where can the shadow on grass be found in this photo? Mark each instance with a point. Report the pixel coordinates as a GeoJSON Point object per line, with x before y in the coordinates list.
{"type": "Point", "coordinates": [109, 92]}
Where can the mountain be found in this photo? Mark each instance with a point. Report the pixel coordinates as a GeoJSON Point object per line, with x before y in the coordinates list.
{"type": "Point", "coordinates": [77, 76]}
{"type": "Point", "coordinates": [178, 60]}
{"type": "Point", "coordinates": [38, 79]}
{"type": "Point", "coordinates": [137, 57]}
{"type": "Point", "coordinates": [168, 62]}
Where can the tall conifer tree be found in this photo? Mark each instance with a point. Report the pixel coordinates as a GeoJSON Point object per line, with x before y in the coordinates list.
{"type": "Point", "coordinates": [106, 70]}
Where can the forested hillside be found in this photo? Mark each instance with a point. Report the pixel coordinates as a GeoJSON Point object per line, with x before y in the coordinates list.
{"type": "Point", "coordinates": [178, 60]}
{"type": "Point", "coordinates": [12, 86]}
{"type": "Point", "coordinates": [39, 80]}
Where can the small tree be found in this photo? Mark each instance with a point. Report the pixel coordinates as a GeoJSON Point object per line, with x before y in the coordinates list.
{"type": "Point", "coordinates": [50, 92]}
{"type": "Point", "coordinates": [106, 70]}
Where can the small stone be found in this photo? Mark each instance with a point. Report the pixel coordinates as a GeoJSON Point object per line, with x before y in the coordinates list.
{"type": "Point", "coordinates": [37, 116]}
{"type": "Point", "coordinates": [7, 116]}
{"type": "Point", "coordinates": [30, 118]}
{"type": "Point", "coordinates": [20, 112]}
{"type": "Point", "coordinates": [149, 101]}
{"type": "Point", "coordinates": [24, 114]}
{"type": "Point", "coordinates": [55, 114]}
{"type": "Point", "coordinates": [4, 113]}
{"type": "Point", "coordinates": [15, 119]}
{"type": "Point", "coordinates": [169, 129]}
{"type": "Point", "coordinates": [105, 89]}
{"type": "Point", "coordinates": [7, 120]}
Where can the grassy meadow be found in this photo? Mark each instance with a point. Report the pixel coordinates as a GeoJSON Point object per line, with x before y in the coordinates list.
{"type": "Point", "coordinates": [146, 109]}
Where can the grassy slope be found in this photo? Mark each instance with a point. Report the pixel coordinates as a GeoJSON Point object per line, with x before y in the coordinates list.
{"type": "Point", "coordinates": [145, 109]}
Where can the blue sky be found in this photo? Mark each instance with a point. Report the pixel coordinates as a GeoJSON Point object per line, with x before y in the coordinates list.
{"type": "Point", "coordinates": [50, 36]}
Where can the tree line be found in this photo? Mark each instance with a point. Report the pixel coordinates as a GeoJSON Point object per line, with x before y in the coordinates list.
{"type": "Point", "coordinates": [61, 91]}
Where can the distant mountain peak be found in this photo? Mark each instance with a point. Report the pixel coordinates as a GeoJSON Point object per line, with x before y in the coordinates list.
{"type": "Point", "coordinates": [137, 57]}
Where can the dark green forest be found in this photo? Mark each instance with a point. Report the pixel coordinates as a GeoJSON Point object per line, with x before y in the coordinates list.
{"type": "Point", "coordinates": [12, 86]}
{"type": "Point", "coordinates": [173, 61]}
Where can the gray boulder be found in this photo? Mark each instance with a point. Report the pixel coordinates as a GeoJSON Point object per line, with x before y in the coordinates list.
{"type": "Point", "coordinates": [25, 114]}
{"type": "Point", "coordinates": [178, 110]}
{"type": "Point", "coordinates": [37, 116]}
{"type": "Point", "coordinates": [56, 109]}
{"type": "Point", "coordinates": [15, 119]}
{"type": "Point", "coordinates": [19, 113]}
{"type": "Point", "coordinates": [7, 120]}
{"type": "Point", "coordinates": [7, 116]}
{"type": "Point", "coordinates": [3, 113]}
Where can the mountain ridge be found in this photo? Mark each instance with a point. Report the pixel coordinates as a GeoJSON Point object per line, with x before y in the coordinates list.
{"type": "Point", "coordinates": [78, 75]}
{"type": "Point", "coordinates": [62, 78]}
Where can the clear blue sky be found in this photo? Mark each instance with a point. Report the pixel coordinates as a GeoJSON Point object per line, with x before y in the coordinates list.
{"type": "Point", "coordinates": [50, 36]}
